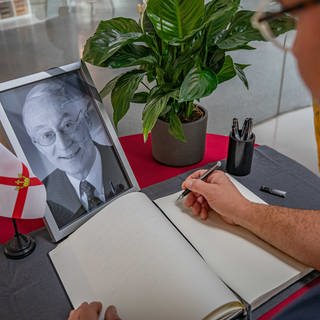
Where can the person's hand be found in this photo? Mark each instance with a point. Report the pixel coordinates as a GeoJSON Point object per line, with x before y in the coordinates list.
{"type": "Point", "coordinates": [91, 311]}
{"type": "Point", "coordinates": [86, 311]}
{"type": "Point", "coordinates": [218, 193]}
{"type": "Point", "coordinates": [111, 313]}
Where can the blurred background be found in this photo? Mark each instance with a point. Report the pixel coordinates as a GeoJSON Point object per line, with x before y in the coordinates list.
{"type": "Point", "coordinates": [36, 35]}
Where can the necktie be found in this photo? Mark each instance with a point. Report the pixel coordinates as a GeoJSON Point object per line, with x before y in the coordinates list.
{"type": "Point", "coordinates": [88, 189]}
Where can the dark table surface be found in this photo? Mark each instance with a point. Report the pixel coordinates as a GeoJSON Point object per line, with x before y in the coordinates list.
{"type": "Point", "coordinates": [30, 288]}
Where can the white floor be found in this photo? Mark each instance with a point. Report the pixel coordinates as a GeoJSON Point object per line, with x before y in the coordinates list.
{"type": "Point", "coordinates": [293, 135]}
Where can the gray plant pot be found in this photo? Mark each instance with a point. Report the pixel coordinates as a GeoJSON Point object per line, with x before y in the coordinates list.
{"type": "Point", "coordinates": [170, 151]}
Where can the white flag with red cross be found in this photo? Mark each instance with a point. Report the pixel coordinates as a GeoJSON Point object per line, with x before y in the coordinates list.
{"type": "Point", "coordinates": [22, 195]}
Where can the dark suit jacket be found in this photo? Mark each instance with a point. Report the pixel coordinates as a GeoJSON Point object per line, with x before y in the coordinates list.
{"type": "Point", "coordinates": [63, 199]}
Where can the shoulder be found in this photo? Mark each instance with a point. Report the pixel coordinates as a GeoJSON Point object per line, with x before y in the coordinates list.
{"type": "Point", "coordinates": [102, 148]}
{"type": "Point", "coordinates": [54, 177]}
{"type": "Point", "coordinates": [107, 153]}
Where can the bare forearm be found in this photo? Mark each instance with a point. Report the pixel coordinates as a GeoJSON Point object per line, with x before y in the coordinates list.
{"type": "Point", "coordinates": [294, 231]}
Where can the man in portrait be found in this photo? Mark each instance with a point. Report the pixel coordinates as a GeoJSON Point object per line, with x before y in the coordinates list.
{"type": "Point", "coordinates": [57, 119]}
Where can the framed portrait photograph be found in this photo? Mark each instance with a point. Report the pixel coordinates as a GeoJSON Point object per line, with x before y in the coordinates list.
{"type": "Point", "coordinates": [56, 123]}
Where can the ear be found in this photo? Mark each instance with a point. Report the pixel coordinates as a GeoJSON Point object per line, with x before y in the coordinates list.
{"type": "Point", "coordinates": [87, 118]}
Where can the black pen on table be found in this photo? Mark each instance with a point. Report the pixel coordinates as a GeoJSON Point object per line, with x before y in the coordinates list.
{"type": "Point", "coordinates": [202, 177]}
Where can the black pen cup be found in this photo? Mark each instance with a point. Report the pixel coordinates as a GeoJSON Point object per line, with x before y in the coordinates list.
{"type": "Point", "coordinates": [240, 154]}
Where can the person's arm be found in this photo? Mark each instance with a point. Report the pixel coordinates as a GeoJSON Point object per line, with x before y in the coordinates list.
{"type": "Point", "coordinates": [91, 311]}
{"type": "Point", "coordinates": [294, 231]}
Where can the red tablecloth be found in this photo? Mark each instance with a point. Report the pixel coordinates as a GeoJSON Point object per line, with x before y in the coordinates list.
{"type": "Point", "coordinates": [146, 170]}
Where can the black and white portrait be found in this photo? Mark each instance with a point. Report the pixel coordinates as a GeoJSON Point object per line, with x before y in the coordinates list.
{"type": "Point", "coordinates": [63, 137]}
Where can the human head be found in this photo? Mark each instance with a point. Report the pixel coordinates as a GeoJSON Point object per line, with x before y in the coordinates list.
{"type": "Point", "coordinates": [54, 115]}
{"type": "Point", "coordinates": [307, 42]}
{"type": "Point", "coordinates": [306, 47]}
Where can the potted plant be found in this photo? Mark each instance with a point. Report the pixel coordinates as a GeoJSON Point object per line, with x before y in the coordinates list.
{"type": "Point", "coordinates": [179, 54]}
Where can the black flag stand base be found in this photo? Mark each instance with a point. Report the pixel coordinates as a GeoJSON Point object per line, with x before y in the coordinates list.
{"type": "Point", "coordinates": [20, 245]}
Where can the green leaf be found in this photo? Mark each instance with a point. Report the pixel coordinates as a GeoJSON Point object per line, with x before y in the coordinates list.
{"type": "Point", "coordinates": [181, 66]}
{"type": "Point", "coordinates": [242, 66]}
{"type": "Point", "coordinates": [172, 103]}
{"type": "Point", "coordinates": [156, 104]}
{"type": "Point", "coordinates": [228, 71]}
{"type": "Point", "coordinates": [123, 93]}
{"type": "Point", "coordinates": [175, 20]}
{"type": "Point", "coordinates": [140, 97]}
{"type": "Point", "coordinates": [241, 31]}
{"type": "Point", "coordinates": [216, 59]}
{"type": "Point", "coordinates": [282, 25]}
{"type": "Point", "coordinates": [231, 69]}
{"type": "Point", "coordinates": [197, 84]}
{"type": "Point", "coordinates": [151, 75]}
{"type": "Point", "coordinates": [219, 13]}
{"type": "Point", "coordinates": [240, 73]}
{"type": "Point", "coordinates": [147, 24]}
{"type": "Point", "coordinates": [110, 37]}
{"type": "Point", "coordinates": [164, 113]}
{"type": "Point", "coordinates": [109, 87]}
{"type": "Point", "coordinates": [175, 127]}
{"type": "Point", "coordinates": [131, 55]}
{"type": "Point", "coordinates": [243, 47]}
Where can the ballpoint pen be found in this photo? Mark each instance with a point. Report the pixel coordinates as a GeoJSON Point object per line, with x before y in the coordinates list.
{"type": "Point", "coordinates": [202, 177]}
{"type": "Point", "coordinates": [247, 132]}
{"type": "Point", "coordinates": [244, 129]}
{"type": "Point", "coordinates": [235, 123]}
{"type": "Point", "coordinates": [235, 128]}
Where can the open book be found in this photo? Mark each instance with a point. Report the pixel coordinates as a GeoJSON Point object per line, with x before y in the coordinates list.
{"type": "Point", "coordinates": [132, 256]}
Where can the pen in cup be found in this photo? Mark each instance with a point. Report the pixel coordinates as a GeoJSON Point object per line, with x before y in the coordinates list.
{"type": "Point", "coordinates": [202, 177]}
{"type": "Point", "coordinates": [245, 132]}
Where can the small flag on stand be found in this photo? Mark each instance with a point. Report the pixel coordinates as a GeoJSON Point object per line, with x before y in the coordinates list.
{"type": "Point", "coordinates": [22, 196]}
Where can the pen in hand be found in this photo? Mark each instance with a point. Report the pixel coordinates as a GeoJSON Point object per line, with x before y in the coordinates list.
{"type": "Point", "coordinates": [202, 177]}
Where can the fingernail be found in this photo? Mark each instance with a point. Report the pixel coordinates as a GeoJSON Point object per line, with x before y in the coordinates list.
{"type": "Point", "coordinates": [113, 310]}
